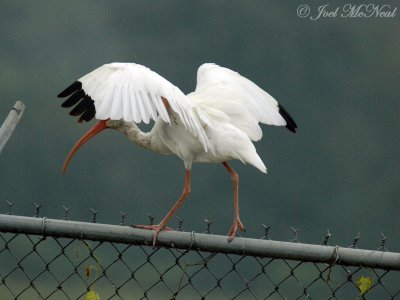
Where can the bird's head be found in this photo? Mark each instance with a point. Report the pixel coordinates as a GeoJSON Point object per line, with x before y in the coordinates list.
{"type": "Point", "coordinates": [100, 126]}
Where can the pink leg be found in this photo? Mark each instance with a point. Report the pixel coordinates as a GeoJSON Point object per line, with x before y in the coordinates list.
{"type": "Point", "coordinates": [237, 224]}
{"type": "Point", "coordinates": [163, 223]}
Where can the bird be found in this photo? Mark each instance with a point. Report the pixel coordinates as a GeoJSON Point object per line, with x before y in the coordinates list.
{"type": "Point", "coordinates": [216, 123]}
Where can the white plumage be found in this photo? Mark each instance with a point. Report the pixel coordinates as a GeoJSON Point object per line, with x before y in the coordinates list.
{"type": "Point", "coordinates": [242, 100]}
{"type": "Point", "coordinates": [215, 123]}
{"type": "Point", "coordinates": [133, 93]}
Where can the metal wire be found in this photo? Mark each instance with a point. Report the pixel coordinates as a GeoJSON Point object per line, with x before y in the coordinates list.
{"type": "Point", "coordinates": [43, 258]}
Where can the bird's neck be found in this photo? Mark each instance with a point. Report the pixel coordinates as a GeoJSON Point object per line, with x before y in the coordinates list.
{"type": "Point", "coordinates": [142, 139]}
{"type": "Point", "coordinates": [138, 137]}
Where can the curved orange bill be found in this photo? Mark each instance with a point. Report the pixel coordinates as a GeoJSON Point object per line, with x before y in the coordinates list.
{"type": "Point", "coordinates": [100, 126]}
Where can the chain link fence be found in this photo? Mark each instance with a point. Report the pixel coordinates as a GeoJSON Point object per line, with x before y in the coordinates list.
{"type": "Point", "coordinates": [43, 258]}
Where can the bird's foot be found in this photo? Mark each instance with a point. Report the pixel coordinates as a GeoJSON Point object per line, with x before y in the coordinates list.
{"type": "Point", "coordinates": [155, 228]}
{"type": "Point", "coordinates": [236, 226]}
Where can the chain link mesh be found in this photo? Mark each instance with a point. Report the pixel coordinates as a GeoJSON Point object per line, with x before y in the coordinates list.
{"type": "Point", "coordinates": [34, 267]}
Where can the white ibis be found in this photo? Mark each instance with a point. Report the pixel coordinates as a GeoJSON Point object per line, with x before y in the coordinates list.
{"type": "Point", "coordinates": [215, 123]}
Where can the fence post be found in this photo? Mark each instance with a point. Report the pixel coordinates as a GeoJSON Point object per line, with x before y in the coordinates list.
{"type": "Point", "coordinates": [10, 123]}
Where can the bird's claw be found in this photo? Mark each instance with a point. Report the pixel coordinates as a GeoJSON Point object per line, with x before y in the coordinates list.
{"type": "Point", "coordinates": [155, 228]}
{"type": "Point", "coordinates": [236, 226]}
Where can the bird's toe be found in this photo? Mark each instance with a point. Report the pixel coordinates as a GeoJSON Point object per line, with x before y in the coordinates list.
{"type": "Point", "coordinates": [155, 228]}
{"type": "Point", "coordinates": [236, 226]}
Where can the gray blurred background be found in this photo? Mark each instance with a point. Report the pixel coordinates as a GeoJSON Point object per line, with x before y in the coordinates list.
{"type": "Point", "coordinates": [338, 78]}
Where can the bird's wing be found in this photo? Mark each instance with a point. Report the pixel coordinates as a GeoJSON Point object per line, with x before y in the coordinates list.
{"type": "Point", "coordinates": [133, 93]}
{"type": "Point", "coordinates": [242, 100]}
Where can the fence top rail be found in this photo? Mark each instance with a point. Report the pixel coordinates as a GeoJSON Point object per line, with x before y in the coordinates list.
{"type": "Point", "coordinates": [201, 242]}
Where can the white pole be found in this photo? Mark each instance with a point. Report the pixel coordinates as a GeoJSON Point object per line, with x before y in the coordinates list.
{"type": "Point", "coordinates": [10, 123]}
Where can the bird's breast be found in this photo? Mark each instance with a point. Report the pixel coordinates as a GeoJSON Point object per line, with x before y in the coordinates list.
{"type": "Point", "coordinates": [181, 142]}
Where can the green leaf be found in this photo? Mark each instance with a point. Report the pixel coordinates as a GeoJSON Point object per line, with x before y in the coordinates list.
{"type": "Point", "coordinates": [364, 284]}
{"type": "Point", "coordinates": [92, 295]}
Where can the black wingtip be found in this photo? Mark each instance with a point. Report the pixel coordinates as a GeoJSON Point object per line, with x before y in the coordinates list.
{"type": "Point", "coordinates": [290, 123]}
{"type": "Point", "coordinates": [89, 114]}
{"type": "Point", "coordinates": [76, 86]}
{"type": "Point", "coordinates": [74, 98]}
{"type": "Point", "coordinates": [84, 105]}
